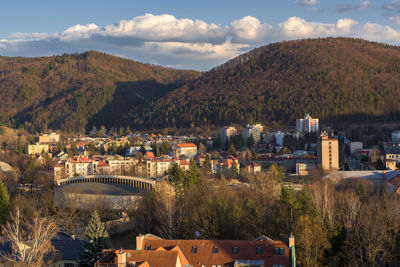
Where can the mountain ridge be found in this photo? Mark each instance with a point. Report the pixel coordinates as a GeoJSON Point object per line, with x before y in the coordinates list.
{"type": "Point", "coordinates": [335, 79]}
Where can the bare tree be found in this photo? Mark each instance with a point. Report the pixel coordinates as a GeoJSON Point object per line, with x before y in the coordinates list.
{"type": "Point", "coordinates": [324, 200]}
{"type": "Point", "coordinates": [30, 239]}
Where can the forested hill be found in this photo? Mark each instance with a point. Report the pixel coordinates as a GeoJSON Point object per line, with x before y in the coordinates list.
{"type": "Point", "coordinates": [334, 79]}
{"type": "Point", "coordinates": [73, 92]}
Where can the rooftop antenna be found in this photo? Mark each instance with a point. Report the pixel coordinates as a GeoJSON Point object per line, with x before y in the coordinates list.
{"type": "Point", "coordinates": [197, 234]}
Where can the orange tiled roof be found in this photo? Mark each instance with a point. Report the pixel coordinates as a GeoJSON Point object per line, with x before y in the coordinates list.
{"type": "Point", "coordinates": [155, 258]}
{"type": "Point", "coordinates": [81, 159]}
{"type": "Point", "coordinates": [149, 154]}
{"type": "Point", "coordinates": [186, 145]}
{"type": "Point", "coordinates": [184, 162]}
{"type": "Point", "coordinates": [247, 250]}
{"type": "Point", "coordinates": [102, 163]}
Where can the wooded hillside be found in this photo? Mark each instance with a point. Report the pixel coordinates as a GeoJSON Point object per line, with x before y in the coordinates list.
{"type": "Point", "coordinates": [334, 79]}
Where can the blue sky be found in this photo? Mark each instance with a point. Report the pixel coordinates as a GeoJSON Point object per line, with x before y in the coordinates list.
{"type": "Point", "coordinates": [185, 34]}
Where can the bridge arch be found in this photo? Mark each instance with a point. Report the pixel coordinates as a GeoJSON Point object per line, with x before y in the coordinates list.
{"type": "Point", "coordinates": [137, 182]}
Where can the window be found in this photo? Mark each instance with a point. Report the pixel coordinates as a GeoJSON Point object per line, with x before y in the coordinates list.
{"type": "Point", "coordinates": [69, 265]}
{"type": "Point", "coordinates": [259, 250]}
{"type": "Point", "coordinates": [215, 250]}
{"type": "Point", "coordinates": [282, 251]}
{"type": "Point", "coordinates": [276, 251]}
{"type": "Point", "coordinates": [194, 249]}
{"type": "Point", "coordinates": [147, 247]}
{"type": "Point", "coordinates": [235, 250]}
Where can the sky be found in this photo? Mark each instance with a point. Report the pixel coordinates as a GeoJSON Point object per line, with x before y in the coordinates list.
{"type": "Point", "coordinates": [185, 34]}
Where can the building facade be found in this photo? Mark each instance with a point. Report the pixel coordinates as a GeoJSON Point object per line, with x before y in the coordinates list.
{"type": "Point", "coordinates": [187, 150]}
{"type": "Point", "coordinates": [37, 149]}
{"type": "Point", "coordinates": [307, 124]}
{"type": "Point", "coordinates": [226, 134]}
{"type": "Point", "coordinates": [252, 130]}
{"type": "Point", "coordinates": [260, 252]}
{"type": "Point", "coordinates": [328, 152]}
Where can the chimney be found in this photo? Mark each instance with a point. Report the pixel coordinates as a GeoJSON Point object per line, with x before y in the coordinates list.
{"type": "Point", "coordinates": [291, 240]}
{"type": "Point", "coordinates": [292, 251]}
{"type": "Point", "coordinates": [121, 259]}
{"type": "Point", "coordinates": [139, 242]}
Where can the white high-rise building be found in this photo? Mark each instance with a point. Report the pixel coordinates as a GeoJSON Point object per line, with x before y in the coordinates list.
{"type": "Point", "coordinates": [396, 136]}
{"type": "Point", "coordinates": [307, 124]}
{"type": "Point", "coordinates": [252, 130]}
{"type": "Point", "coordinates": [226, 134]}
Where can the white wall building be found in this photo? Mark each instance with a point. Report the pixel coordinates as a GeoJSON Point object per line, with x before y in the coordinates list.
{"type": "Point", "coordinates": [226, 134]}
{"type": "Point", "coordinates": [307, 124]}
{"type": "Point", "coordinates": [396, 136]}
{"type": "Point", "coordinates": [252, 130]}
{"type": "Point", "coordinates": [279, 136]}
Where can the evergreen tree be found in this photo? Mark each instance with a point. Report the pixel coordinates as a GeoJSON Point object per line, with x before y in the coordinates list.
{"type": "Point", "coordinates": [232, 149]}
{"type": "Point", "coordinates": [98, 240]}
{"type": "Point", "coordinates": [193, 174]}
{"type": "Point", "coordinates": [4, 203]}
{"type": "Point", "coordinates": [288, 196]}
{"type": "Point", "coordinates": [207, 165]}
{"type": "Point", "coordinates": [250, 142]}
{"type": "Point", "coordinates": [176, 176]}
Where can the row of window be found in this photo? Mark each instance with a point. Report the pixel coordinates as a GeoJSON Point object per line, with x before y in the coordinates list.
{"type": "Point", "coordinates": [235, 250]}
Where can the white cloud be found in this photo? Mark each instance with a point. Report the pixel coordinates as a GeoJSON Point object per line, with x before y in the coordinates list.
{"type": "Point", "coordinates": [307, 2]}
{"type": "Point", "coordinates": [394, 19]}
{"type": "Point", "coordinates": [166, 40]}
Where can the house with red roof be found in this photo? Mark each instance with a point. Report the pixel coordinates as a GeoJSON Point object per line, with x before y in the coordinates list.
{"type": "Point", "coordinates": [187, 150]}
{"type": "Point", "coordinates": [260, 252]}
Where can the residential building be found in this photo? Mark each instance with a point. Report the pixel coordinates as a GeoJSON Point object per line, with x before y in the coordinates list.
{"type": "Point", "coordinates": [307, 124]}
{"type": "Point", "coordinates": [301, 169]}
{"type": "Point", "coordinates": [226, 134]}
{"type": "Point", "coordinates": [396, 136]}
{"type": "Point", "coordinates": [395, 155]}
{"type": "Point", "coordinates": [279, 136]}
{"type": "Point", "coordinates": [37, 149]}
{"type": "Point", "coordinates": [259, 252]}
{"type": "Point", "coordinates": [162, 257]}
{"type": "Point", "coordinates": [187, 150]}
{"type": "Point", "coordinates": [160, 166]}
{"type": "Point", "coordinates": [355, 146]}
{"type": "Point", "coordinates": [49, 138]}
{"type": "Point", "coordinates": [253, 168]}
{"type": "Point", "coordinates": [254, 131]}
{"type": "Point", "coordinates": [328, 152]}
{"type": "Point", "coordinates": [390, 164]}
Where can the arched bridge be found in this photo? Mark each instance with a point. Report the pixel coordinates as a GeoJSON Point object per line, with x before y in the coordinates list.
{"type": "Point", "coordinates": [137, 182]}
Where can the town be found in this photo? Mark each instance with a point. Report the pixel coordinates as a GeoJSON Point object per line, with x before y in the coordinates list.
{"type": "Point", "coordinates": [113, 173]}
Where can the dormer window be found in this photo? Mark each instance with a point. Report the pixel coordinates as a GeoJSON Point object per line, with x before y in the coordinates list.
{"type": "Point", "coordinates": [235, 250]}
{"type": "Point", "coordinates": [194, 249]}
{"type": "Point", "coordinates": [215, 250]}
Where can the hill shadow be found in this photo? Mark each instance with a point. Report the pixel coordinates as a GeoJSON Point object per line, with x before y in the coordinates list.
{"type": "Point", "coordinates": [128, 97]}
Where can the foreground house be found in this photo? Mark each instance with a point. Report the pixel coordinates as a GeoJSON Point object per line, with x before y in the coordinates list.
{"type": "Point", "coordinates": [157, 252]}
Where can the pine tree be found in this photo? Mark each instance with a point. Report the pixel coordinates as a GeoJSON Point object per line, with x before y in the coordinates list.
{"type": "Point", "coordinates": [193, 174]}
{"type": "Point", "coordinates": [4, 203]}
{"type": "Point", "coordinates": [98, 240]}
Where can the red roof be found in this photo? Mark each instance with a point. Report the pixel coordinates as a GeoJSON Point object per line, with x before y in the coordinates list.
{"type": "Point", "coordinates": [246, 250]}
{"type": "Point", "coordinates": [186, 145]}
{"type": "Point", "coordinates": [81, 159]}
{"type": "Point", "coordinates": [149, 155]}
{"type": "Point", "coordinates": [102, 163]}
{"type": "Point", "coordinates": [184, 162]}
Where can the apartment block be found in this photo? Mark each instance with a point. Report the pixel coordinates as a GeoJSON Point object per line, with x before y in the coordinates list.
{"type": "Point", "coordinates": [328, 152]}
